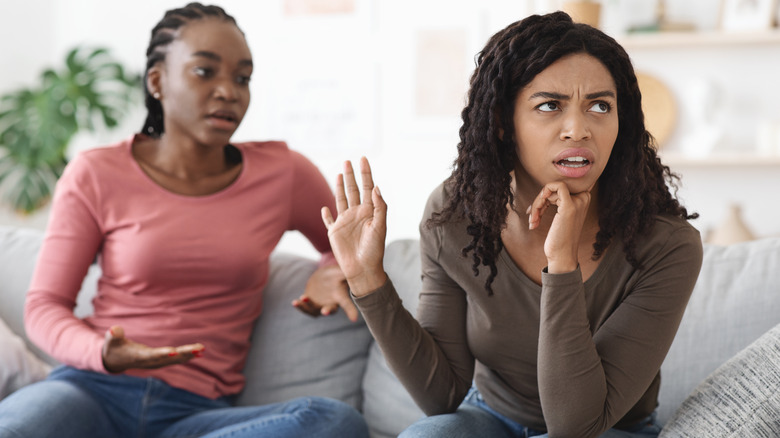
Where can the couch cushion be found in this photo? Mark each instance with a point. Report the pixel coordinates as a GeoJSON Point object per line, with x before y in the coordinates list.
{"type": "Point", "coordinates": [387, 407]}
{"type": "Point", "coordinates": [734, 302]}
{"type": "Point", "coordinates": [18, 365]}
{"type": "Point", "coordinates": [740, 399]}
{"type": "Point", "coordinates": [18, 254]}
{"type": "Point", "coordinates": [294, 354]}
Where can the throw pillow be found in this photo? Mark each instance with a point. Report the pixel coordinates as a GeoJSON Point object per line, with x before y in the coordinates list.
{"type": "Point", "coordinates": [18, 365]}
{"type": "Point", "coordinates": [740, 399]}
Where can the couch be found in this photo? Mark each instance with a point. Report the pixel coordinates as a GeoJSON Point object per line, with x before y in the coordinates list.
{"type": "Point", "coordinates": [727, 337]}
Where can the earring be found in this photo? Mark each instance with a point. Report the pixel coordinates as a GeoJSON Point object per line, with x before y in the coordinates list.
{"type": "Point", "coordinates": [156, 95]}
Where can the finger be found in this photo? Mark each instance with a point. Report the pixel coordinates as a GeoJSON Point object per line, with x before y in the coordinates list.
{"type": "Point", "coordinates": [341, 198]}
{"type": "Point", "coordinates": [330, 309]}
{"type": "Point", "coordinates": [191, 350]}
{"type": "Point", "coordinates": [115, 332]}
{"type": "Point", "coordinates": [353, 193]}
{"type": "Point", "coordinates": [367, 178]}
{"type": "Point", "coordinates": [327, 217]}
{"type": "Point", "coordinates": [349, 309]}
{"type": "Point", "coordinates": [380, 207]}
{"type": "Point", "coordinates": [305, 305]}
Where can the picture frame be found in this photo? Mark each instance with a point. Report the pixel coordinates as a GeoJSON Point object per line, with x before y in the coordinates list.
{"type": "Point", "coordinates": [748, 15]}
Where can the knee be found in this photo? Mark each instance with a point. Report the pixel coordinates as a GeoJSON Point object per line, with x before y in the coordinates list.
{"type": "Point", "coordinates": [336, 415]}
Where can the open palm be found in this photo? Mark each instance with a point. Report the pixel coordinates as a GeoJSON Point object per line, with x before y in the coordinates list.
{"type": "Point", "coordinates": [357, 235]}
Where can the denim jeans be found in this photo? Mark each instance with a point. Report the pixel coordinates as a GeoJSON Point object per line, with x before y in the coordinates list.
{"type": "Point", "coordinates": [84, 404]}
{"type": "Point", "coordinates": [474, 418]}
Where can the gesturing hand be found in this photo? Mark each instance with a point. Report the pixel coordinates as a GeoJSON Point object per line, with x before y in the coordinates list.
{"type": "Point", "coordinates": [562, 243]}
{"type": "Point", "coordinates": [325, 292]}
{"type": "Point", "coordinates": [120, 353]}
{"type": "Point", "coordinates": [357, 236]}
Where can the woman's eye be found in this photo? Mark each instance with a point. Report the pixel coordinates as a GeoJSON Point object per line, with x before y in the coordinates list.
{"type": "Point", "coordinates": [600, 107]}
{"type": "Point", "coordinates": [243, 80]}
{"type": "Point", "coordinates": [204, 72]}
{"type": "Point", "coordinates": [548, 107]}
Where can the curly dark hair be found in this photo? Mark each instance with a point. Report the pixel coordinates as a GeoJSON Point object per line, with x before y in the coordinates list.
{"type": "Point", "coordinates": [633, 187]}
{"type": "Point", "coordinates": [162, 35]}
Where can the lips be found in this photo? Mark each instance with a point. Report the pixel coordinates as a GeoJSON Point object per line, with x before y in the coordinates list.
{"type": "Point", "coordinates": [224, 119]}
{"type": "Point", "coordinates": [574, 163]}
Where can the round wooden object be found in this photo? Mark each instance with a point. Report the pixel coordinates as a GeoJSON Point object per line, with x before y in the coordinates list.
{"type": "Point", "coordinates": [659, 107]}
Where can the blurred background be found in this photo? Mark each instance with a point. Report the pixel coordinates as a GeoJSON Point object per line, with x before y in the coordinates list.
{"type": "Point", "coordinates": [339, 79]}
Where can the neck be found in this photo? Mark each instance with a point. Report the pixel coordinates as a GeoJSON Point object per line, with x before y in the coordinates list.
{"type": "Point", "coordinates": [188, 160]}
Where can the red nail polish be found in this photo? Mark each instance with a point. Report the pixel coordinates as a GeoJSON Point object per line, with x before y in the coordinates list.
{"type": "Point", "coordinates": [305, 299]}
{"type": "Point", "coordinates": [173, 353]}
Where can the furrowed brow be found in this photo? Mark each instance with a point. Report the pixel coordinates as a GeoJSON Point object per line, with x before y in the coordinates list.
{"type": "Point", "coordinates": [549, 95]}
{"type": "Point", "coordinates": [598, 94]}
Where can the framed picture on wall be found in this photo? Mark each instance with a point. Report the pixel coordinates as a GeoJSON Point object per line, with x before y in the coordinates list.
{"type": "Point", "coordinates": [748, 15]}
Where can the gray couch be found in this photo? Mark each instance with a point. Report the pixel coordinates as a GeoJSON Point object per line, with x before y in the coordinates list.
{"type": "Point", "coordinates": [736, 301]}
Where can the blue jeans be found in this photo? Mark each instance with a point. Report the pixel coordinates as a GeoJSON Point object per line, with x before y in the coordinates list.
{"type": "Point", "coordinates": [475, 418]}
{"type": "Point", "coordinates": [84, 404]}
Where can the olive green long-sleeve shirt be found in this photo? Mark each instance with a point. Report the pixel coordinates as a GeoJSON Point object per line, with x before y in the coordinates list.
{"type": "Point", "coordinates": [570, 357]}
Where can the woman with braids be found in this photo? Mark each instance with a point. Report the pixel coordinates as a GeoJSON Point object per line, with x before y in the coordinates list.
{"type": "Point", "coordinates": [556, 265]}
{"type": "Point", "coordinates": [182, 223]}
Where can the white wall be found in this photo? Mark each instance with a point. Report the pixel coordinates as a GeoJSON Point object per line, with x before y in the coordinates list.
{"type": "Point", "coordinates": [340, 87]}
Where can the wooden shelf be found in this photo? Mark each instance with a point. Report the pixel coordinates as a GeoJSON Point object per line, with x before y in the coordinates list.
{"type": "Point", "coordinates": [673, 159]}
{"type": "Point", "coordinates": [665, 40]}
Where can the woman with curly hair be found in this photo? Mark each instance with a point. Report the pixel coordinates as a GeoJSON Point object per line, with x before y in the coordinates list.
{"type": "Point", "coordinates": [556, 264]}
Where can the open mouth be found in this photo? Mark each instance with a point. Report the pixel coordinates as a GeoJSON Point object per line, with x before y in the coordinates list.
{"type": "Point", "coordinates": [574, 162]}
{"type": "Point", "coordinates": [224, 116]}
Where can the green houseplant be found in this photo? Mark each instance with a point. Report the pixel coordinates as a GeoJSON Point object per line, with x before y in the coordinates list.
{"type": "Point", "coordinates": [91, 91]}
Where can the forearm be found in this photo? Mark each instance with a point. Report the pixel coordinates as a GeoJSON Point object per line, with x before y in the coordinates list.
{"type": "Point", "coordinates": [435, 384]}
{"type": "Point", "coordinates": [51, 325]}
{"type": "Point", "coordinates": [572, 382]}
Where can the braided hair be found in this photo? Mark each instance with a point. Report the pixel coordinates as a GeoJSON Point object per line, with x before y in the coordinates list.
{"type": "Point", "coordinates": [633, 187]}
{"type": "Point", "coordinates": [162, 35]}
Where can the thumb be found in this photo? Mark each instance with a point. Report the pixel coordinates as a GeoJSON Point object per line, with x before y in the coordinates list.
{"type": "Point", "coordinates": [115, 333]}
{"type": "Point", "coordinates": [380, 207]}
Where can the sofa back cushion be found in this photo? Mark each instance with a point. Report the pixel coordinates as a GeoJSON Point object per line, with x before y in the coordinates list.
{"type": "Point", "coordinates": [734, 302]}
{"type": "Point", "coordinates": [388, 407]}
{"type": "Point", "coordinates": [296, 355]}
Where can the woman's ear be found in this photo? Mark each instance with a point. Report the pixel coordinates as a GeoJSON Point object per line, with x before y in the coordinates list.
{"type": "Point", "coordinates": [153, 82]}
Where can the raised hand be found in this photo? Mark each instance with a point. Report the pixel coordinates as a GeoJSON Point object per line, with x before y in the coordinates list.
{"type": "Point", "coordinates": [562, 243]}
{"type": "Point", "coordinates": [325, 292]}
{"type": "Point", "coordinates": [357, 236]}
{"type": "Point", "coordinates": [120, 353]}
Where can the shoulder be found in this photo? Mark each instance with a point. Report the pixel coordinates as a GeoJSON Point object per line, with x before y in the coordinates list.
{"type": "Point", "coordinates": [273, 147]}
{"type": "Point", "coordinates": [273, 153]}
{"type": "Point", "coordinates": [670, 236]}
{"type": "Point", "coordinates": [453, 230]}
{"type": "Point", "coordinates": [438, 199]}
{"type": "Point", "coordinates": [107, 159]}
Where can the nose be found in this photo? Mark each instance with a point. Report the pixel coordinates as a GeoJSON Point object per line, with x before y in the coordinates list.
{"type": "Point", "coordinates": [575, 127]}
{"type": "Point", "coordinates": [226, 89]}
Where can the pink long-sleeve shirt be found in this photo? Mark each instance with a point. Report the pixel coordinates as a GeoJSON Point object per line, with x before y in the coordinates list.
{"type": "Point", "coordinates": [176, 269]}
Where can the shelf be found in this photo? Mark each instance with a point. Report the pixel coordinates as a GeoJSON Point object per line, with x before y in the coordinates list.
{"type": "Point", "coordinates": [651, 40]}
{"type": "Point", "coordinates": [720, 160]}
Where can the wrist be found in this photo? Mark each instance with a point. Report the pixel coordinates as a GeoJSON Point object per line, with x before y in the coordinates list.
{"type": "Point", "coordinates": [561, 267]}
{"type": "Point", "coordinates": [367, 282]}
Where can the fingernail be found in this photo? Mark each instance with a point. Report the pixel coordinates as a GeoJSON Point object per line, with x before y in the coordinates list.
{"type": "Point", "coordinates": [528, 210]}
{"type": "Point", "coordinates": [305, 299]}
{"type": "Point", "coordinates": [173, 353]}
{"type": "Point", "coordinates": [377, 190]}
